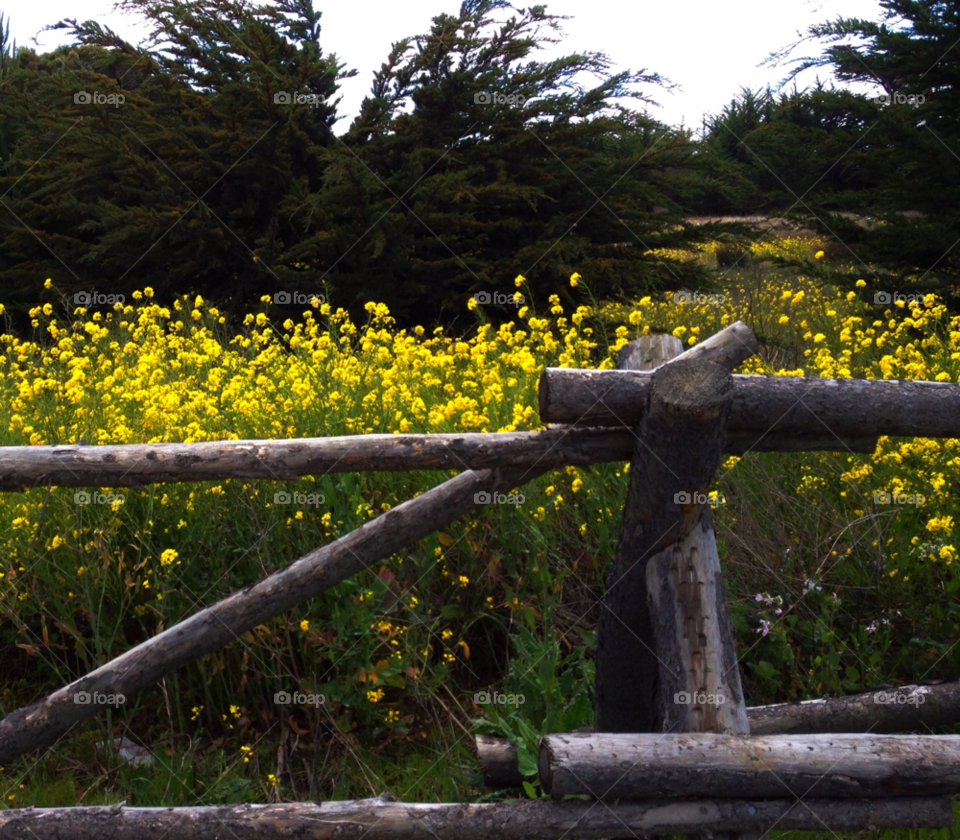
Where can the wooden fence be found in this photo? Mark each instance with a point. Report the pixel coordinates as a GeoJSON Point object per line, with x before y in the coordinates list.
{"type": "Point", "coordinates": [664, 633]}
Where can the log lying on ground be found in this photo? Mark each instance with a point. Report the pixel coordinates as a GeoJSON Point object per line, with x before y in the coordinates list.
{"type": "Point", "coordinates": [888, 710]}
{"type": "Point", "coordinates": [644, 766]}
{"type": "Point", "coordinates": [537, 819]}
{"type": "Point", "coordinates": [137, 465]}
{"type": "Point", "coordinates": [880, 711]}
{"type": "Point", "coordinates": [763, 404]}
{"type": "Point", "coordinates": [210, 629]}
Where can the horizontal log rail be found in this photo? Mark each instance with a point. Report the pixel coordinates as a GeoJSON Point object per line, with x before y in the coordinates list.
{"type": "Point", "coordinates": [766, 404]}
{"type": "Point", "coordinates": [136, 465]}
{"type": "Point", "coordinates": [879, 711]}
{"type": "Point", "coordinates": [646, 766]}
{"type": "Point", "coordinates": [536, 819]}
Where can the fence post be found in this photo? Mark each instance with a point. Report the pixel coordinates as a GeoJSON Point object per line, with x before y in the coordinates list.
{"type": "Point", "coordinates": [626, 666]}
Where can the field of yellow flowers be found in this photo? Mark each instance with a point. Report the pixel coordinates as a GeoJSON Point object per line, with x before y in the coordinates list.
{"type": "Point", "coordinates": [829, 590]}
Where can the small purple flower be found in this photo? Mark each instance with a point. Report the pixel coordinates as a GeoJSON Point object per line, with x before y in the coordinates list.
{"type": "Point", "coordinates": [764, 626]}
{"type": "Point", "coordinates": [758, 597]}
{"type": "Point", "coordinates": [872, 627]}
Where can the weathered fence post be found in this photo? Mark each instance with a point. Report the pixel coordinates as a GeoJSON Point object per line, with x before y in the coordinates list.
{"type": "Point", "coordinates": [626, 663]}
{"type": "Point", "coordinates": [699, 686]}
{"type": "Point", "coordinates": [675, 655]}
{"type": "Point", "coordinates": [626, 666]}
{"type": "Point", "coordinates": [699, 682]}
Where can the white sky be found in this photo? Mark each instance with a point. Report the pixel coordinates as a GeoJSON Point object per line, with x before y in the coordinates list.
{"type": "Point", "coordinates": [711, 49]}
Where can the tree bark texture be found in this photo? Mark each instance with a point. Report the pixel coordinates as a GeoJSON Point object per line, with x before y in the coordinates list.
{"type": "Point", "coordinates": [136, 465]}
{"type": "Point", "coordinates": [847, 408]}
{"type": "Point", "coordinates": [699, 687]}
{"type": "Point", "coordinates": [878, 711]}
{"type": "Point", "coordinates": [642, 766]}
{"type": "Point", "coordinates": [678, 451]}
{"type": "Point", "coordinates": [538, 819]}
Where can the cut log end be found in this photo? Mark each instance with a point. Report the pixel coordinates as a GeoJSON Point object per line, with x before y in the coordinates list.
{"type": "Point", "coordinates": [545, 764]}
{"type": "Point", "coordinates": [729, 347]}
{"type": "Point", "coordinates": [498, 761]}
{"type": "Point", "coordinates": [692, 386]}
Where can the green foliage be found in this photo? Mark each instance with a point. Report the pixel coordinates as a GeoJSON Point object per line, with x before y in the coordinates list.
{"type": "Point", "coordinates": [554, 693]}
{"type": "Point", "coordinates": [441, 189]}
{"type": "Point", "coordinates": [177, 180]}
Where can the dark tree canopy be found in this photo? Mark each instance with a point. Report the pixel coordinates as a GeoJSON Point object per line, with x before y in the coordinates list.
{"type": "Point", "coordinates": [470, 162]}
{"type": "Point", "coordinates": [893, 155]}
{"type": "Point", "coordinates": [172, 174]}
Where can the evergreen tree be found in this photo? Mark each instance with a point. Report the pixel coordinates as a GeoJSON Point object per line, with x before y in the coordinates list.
{"type": "Point", "coordinates": [799, 152]}
{"type": "Point", "coordinates": [471, 163]}
{"type": "Point", "coordinates": [908, 162]}
{"type": "Point", "coordinates": [172, 173]}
